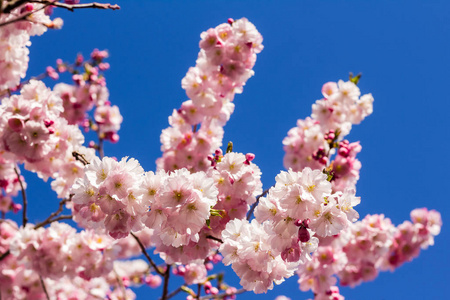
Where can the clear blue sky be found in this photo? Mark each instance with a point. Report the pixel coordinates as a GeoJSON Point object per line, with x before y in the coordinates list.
{"type": "Point", "coordinates": [402, 48]}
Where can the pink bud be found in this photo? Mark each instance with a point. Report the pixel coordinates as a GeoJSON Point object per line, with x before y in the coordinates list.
{"type": "Point", "coordinates": [16, 207]}
{"type": "Point", "coordinates": [303, 234]}
{"type": "Point", "coordinates": [48, 122]}
{"type": "Point", "coordinates": [209, 266]}
{"type": "Point", "coordinates": [230, 21]}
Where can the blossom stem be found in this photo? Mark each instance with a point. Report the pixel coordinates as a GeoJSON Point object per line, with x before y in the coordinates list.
{"type": "Point", "coordinates": [252, 209]}
{"type": "Point", "coordinates": [221, 296]}
{"type": "Point", "coordinates": [175, 292]}
{"type": "Point", "coordinates": [44, 288]}
{"type": "Point", "coordinates": [152, 263]}
{"type": "Point", "coordinates": [24, 197]}
{"type": "Point", "coordinates": [72, 7]}
{"type": "Point", "coordinates": [4, 255]}
{"type": "Point", "coordinates": [214, 238]}
{"type": "Point", "coordinates": [101, 152]}
{"type": "Point", "coordinates": [54, 214]}
{"type": "Point", "coordinates": [21, 18]}
{"type": "Point", "coordinates": [199, 290]}
{"type": "Point", "coordinates": [166, 283]}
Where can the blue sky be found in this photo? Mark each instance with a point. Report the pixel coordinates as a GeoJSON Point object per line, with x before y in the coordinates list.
{"type": "Point", "coordinates": [401, 47]}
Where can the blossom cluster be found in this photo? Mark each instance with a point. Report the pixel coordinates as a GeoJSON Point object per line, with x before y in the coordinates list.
{"type": "Point", "coordinates": [14, 40]}
{"type": "Point", "coordinates": [314, 140]}
{"type": "Point", "coordinates": [88, 91]}
{"type": "Point", "coordinates": [9, 185]}
{"type": "Point", "coordinates": [72, 265]}
{"type": "Point", "coordinates": [365, 248]}
{"type": "Point", "coordinates": [224, 64]}
{"type": "Point", "coordinates": [297, 208]}
{"type": "Point", "coordinates": [33, 132]}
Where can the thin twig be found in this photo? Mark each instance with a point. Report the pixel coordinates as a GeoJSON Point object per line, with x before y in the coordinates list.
{"type": "Point", "coordinates": [250, 212]}
{"type": "Point", "coordinates": [120, 283]}
{"type": "Point", "coordinates": [24, 197]}
{"type": "Point", "coordinates": [72, 7]}
{"type": "Point", "coordinates": [13, 4]}
{"type": "Point", "coordinates": [175, 292]}
{"type": "Point", "coordinates": [4, 255]}
{"type": "Point", "coordinates": [152, 263]}
{"type": "Point", "coordinates": [221, 296]}
{"type": "Point", "coordinates": [54, 214]}
{"type": "Point", "coordinates": [80, 157]}
{"type": "Point", "coordinates": [101, 152]}
{"type": "Point", "coordinates": [199, 291]}
{"type": "Point", "coordinates": [23, 17]}
{"type": "Point", "coordinates": [214, 238]}
{"type": "Point", "coordinates": [166, 283]}
{"type": "Point", "coordinates": [44, 288]}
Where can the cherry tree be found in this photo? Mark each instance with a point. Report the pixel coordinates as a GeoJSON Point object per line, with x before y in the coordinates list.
{"type": "Point", "coordinates": [204, 204]}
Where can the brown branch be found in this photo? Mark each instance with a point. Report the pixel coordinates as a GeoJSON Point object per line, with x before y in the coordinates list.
{"type": "Point", "coordinates": [44, 288]}
{"type": "Point", "coordinates": [13, 4]}
{"type": "Point", "coordinates": [214, 238]}
{"type": "Point", "coordinates": [252, 209]}
{"type": "Point", "coordinates": [72, 7]}
{"type": "Point", "coordinates": [80, 157]}
{"type": "Point", "coordinates": [152, 263]}
{"type": "Point", "coordinates": [4, 255]}
{"type": "Point", "coordinates": [54, 214]}
{"type": "Point", "coordinates": [24, 197]}
{"type": "Point", "coordinates": [101, 152]}
{"type": "Point", "coordinates": [166, 283]}
{"type": "Point", "coordinates": [23, 17]}
{"type": "Point", "coordinates": [221, 296]}
{"type": "Point", "coordinates": [174, 293]}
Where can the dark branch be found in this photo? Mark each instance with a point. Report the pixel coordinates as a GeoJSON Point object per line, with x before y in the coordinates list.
{"type": "Point", "coordinates": [175, 292]}
{"type": "Point", "coordinates": [166, 283]}
{"type": "Point", "coordinates": [214, 238]}
{"type": "Point", "coordinates": [221, 296]}
{"type": "Point", "coordinates": [44, 288]}
{"type": "Point", "coordinates": [72, 7]}
{"type": "Point", "coordinates": [152, 263]}
{"type": "Point", "coordinates": [4, 255]}
{"type": "Point", "coordinates": [24, 197]}
{"type": "Point", "coordinates": [54, 214]}
{"type": "Point", "coordinates": [252, 209]}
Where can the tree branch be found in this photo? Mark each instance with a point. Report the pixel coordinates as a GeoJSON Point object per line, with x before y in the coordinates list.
{"type": "Point", "coordinates": [54, 214]}
{"type": "Point", "coordinates": [4, 255]}
{"type": "Point", "coordinates": [166, 283]}
{"type": "Point", "coordinates": [24, 197]}
{"type": "Point", "coordinates": [252, 209]}
{"type": "Point", "coordinates": [175, 292]}
{"type": "Point", "coordinates": [221, 296]}
{"type": "Point", "coordinates": [72, 7]}
{"type": "Point", "coordinates": [44, 288]}
{"type": "Point", "coordinates": [214, 238]}
{"type": "Point", "coordinates": [152, 263]}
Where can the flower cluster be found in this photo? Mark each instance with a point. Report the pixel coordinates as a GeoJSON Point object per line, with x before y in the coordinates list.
{"type": "Point", "coordinates": [311, 143]}
{"type": "Point", "coordinates": [239, 182]}
{"type": "Point", "coordinates": [249, 250]}
{"type": "Point", "coordinates": [9, 185]}
{"type": "Point", "coordinates": [110, 196]}
{"type": "Point", "coordinates": [365, 248]}
{"type": "Point", "coordinates": [89, 91]}
{"type": "Point", "coordinates": [72, 265]}
{"type": "Point", "coordinates": [32, 131]}
{"type": "Point", "coordinates": [14, 40]}
{"type": "Point", "coordinates": [224, 64]}
{"type": "Point", "coordinates": [297, 208]}
{"type": "Point", "coordinates": [59, 251]}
